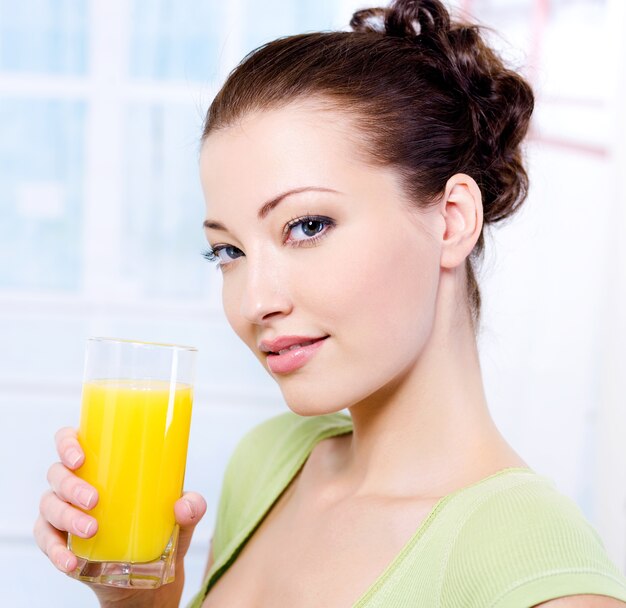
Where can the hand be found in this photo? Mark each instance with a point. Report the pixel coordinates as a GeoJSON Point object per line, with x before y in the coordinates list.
{"type": "Point", "coordinates": [59, 515]}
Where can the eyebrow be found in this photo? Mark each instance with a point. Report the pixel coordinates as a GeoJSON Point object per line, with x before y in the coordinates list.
{"type": "Point", "coordinates": [267, 207]}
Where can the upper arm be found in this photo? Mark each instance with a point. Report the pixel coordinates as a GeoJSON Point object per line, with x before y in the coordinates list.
{"type": "Point", "coordinates": [211, 559]}
{"type": "Point", "coordinates": [582, 601]}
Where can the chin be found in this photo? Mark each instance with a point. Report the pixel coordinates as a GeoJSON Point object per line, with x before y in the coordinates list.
{"type": "Point", "coordinates": [317, 394]}
{"type": "Point", "coordinates": [309, 409]}
{"type": "Point", "coordinates": [307, 405]}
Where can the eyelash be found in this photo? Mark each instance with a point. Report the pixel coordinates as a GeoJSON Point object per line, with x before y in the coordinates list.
{"type": "Point", "coordinates": [211, 254]}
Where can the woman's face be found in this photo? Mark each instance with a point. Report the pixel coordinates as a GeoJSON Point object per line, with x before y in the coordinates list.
{"type": "Point", "coordinates": [343, 256]}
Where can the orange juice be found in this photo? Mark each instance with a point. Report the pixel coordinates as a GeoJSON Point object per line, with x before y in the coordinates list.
{"type": "Point", "coordinates": [134, 434]}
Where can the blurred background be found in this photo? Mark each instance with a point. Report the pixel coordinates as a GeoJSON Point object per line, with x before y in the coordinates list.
{"type": "Point", "coordinates": [101, 107]}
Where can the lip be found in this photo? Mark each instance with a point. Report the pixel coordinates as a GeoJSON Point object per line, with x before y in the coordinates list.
{"type": "Point", "coordinates": [293, 359]}
{"type": "Point", "coordinates": [282, 342]}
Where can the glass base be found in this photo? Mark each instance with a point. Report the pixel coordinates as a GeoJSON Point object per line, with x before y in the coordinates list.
{"type": "Point", "coordinates": [144, 575]}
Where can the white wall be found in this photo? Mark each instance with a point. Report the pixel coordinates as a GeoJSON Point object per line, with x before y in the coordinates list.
{"type": "Point", "coordinates": [552, 345]}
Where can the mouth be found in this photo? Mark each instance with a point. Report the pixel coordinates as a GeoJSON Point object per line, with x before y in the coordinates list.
{"type": "Point", "coordinates": [296, 356]}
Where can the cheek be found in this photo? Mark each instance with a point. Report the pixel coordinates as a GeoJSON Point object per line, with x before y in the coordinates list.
{"type": "Point", "coordinates": [383, 296]}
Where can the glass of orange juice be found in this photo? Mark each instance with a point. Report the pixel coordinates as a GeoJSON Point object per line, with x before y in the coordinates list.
{"type": "Point", "coordinates": [134, 427]}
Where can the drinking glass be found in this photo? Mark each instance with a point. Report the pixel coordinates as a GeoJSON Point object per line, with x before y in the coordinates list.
{"type": "Point", "coordinates": [134, 427]}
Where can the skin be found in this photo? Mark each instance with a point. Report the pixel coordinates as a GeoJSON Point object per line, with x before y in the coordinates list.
{"type": "Point", "coordinates": [385, 282]}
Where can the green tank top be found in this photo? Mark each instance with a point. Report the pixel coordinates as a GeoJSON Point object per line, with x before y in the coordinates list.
{"type": "Point", "coordinates": [509, 540]}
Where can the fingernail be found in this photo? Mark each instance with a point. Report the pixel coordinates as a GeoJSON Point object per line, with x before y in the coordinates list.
{"type": "Point", "coordinates": [72, 456]}
{"type": "Point", "coordinates": [191, 508]}
{"type": "Point", "coordinates": [84, 496]}
{"type": "Point", "coordinates": [63, 565]}
{"type": "Point", "coordinates": [67, 564]}
{"type": "Point", "coordinates": [84, 524]}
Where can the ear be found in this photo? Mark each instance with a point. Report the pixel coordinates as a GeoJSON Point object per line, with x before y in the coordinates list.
{"type": "Point", "coordinates": [462, 211]}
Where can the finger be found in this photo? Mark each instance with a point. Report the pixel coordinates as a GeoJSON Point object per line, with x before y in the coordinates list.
{"type": "Point", "coordinates": [66, 518]}
{"type": "Point", "coordinates": [70, 488]}
{"type": "Point", "coordinates": [188, 510]}
{"type": "Point", "coordinates": [53, 543]}
{"type": "Point", "coordinates": [68, 447]}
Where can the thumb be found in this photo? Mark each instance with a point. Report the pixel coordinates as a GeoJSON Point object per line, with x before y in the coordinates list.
{"type": "Point", "coordinates": [188, 510]}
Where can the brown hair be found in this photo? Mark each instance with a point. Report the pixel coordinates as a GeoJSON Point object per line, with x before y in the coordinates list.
{"type": "Point", "coordinates": [429, 97]}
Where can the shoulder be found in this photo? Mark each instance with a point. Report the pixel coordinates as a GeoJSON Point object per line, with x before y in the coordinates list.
{"type": "Point", "coordinates": [279, 437]}
{"type": "Point", "coordinates": [525, 514]}
{"type": "Point", "coordinates": [523, 542]}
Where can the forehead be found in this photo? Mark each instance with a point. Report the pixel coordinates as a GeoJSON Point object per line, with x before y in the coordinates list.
{"type": "Point", "coordinates": [279, 149]}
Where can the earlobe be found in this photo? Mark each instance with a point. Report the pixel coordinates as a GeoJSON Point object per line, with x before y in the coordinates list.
{"type": "Point", "coordinates": [462, 210]}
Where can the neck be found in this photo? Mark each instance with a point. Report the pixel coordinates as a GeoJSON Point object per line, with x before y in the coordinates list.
{"type": "Point", "coordinates": [430, 432]}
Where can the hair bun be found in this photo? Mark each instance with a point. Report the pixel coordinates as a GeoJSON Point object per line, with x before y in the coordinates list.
{"type": "Point", "coordinates": [404, 19]}
{"type": "Point", "coordinates": [498, 101]}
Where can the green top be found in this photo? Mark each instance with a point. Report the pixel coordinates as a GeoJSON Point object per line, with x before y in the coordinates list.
{"type": "Point", "coordinates": [509, 540]}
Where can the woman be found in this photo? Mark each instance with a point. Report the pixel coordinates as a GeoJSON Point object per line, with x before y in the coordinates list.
{"type": "Point", "coordinates": [348, 177]}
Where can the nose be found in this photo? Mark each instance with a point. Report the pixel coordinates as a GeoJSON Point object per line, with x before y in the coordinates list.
{"type": "Point", "coordinates": [265, 290]}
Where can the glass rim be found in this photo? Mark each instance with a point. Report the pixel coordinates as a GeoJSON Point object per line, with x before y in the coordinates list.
{"type": "Point", "coordinates": [141, 343]}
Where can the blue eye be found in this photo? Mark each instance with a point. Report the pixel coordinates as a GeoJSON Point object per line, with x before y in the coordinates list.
{"type": "Point", "coordinates": [213, 254]}
{"type": "Point", "coordinates": [312, 228]}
